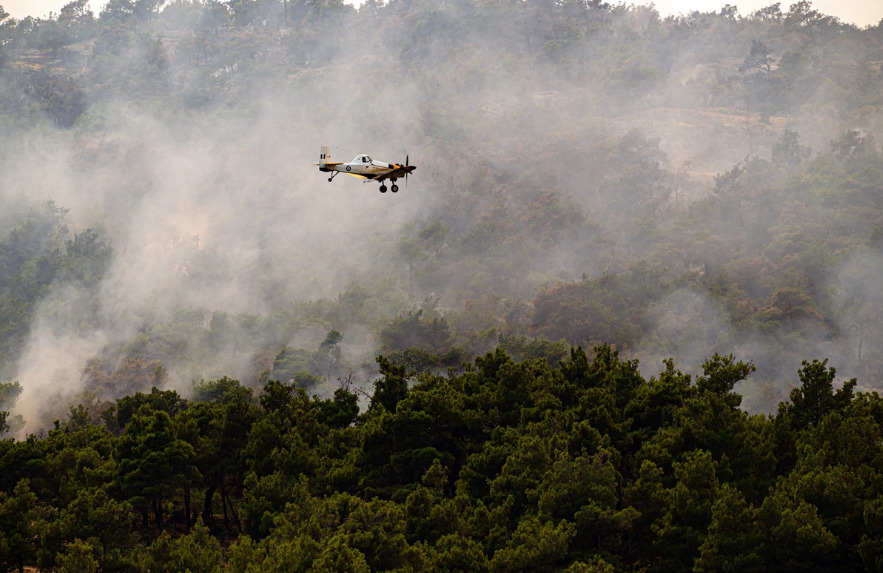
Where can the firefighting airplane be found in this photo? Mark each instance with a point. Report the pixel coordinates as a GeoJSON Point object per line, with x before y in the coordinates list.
{"type": "Point", "coordinates": [364, 167]}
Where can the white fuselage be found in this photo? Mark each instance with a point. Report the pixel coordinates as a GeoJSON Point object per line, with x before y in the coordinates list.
{"type": "Point", "coordinates": [364, 166]}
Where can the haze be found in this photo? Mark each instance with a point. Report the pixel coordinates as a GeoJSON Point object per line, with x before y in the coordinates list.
{"type": "Point", "coordinates": [859, 12]}
{"type": "Point", "coordinates": [674, 187]}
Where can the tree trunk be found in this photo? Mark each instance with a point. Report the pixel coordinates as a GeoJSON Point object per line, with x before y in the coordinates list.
{"type": "Point", "coordinates": [207, 502]}
{"type": "Point", "coordinates": [187, 507]}
{"type": "Point", "coordinates": [157, 513]}
{"type": "Point", "coordinates": [232, 509]}
{"type": "Point", "coordinates": [224, 505]}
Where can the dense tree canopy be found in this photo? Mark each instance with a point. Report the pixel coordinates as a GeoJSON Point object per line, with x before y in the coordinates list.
{"type": "Point", "coordinates": [503, 466]}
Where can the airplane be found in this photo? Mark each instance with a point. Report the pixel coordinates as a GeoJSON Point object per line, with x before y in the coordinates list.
{"type": "Point", "coordinates": [364, 167]}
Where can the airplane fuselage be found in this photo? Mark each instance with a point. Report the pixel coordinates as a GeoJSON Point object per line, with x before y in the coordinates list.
{"type": "Point", "coordinates": [364, 167]}
{"type": "Point", "coordinates": [361, 166]}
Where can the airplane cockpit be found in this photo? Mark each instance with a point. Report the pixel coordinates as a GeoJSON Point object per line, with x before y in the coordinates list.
{"type": "Point", "coordinates": [362, 159]}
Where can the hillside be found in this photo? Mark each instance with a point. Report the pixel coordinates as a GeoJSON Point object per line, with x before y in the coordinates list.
{"type": "Point", "coordinates": [625, 315]}
{"type": "Point", "coordinates": [717, 171]}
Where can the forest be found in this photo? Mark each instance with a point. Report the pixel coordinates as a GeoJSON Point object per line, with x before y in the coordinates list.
{"type": "Point", "coordinates": [498, 466]}
{"type": "Point", "coordinates": [624, 317]}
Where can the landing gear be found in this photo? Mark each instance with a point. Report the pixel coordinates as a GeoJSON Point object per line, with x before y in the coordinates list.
{"type": "Point", "coordinates": [332, 176]}
{"type": "Point", "coordinates": [383, 188]}
{"type": "Point", "coordinates": [394, 188]}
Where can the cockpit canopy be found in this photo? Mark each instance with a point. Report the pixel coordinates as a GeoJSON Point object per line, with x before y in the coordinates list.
{"type": "Point", "coordinates": [362, 159]}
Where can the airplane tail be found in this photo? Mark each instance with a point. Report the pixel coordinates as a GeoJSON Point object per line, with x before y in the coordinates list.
{"type": "Point", "coordinates": [325, 156]}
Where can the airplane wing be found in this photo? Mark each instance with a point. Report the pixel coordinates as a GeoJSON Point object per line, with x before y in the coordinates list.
{"type": "Point", "coordinates": [397, 173]}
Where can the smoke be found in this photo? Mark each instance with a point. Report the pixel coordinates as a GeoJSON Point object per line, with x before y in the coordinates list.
{"type": "Point", "coordinates": [542, 158]}
{"type": "Point", "coordinates": [687, 324]}
{"type": "Point", "coordinates": [50, 368]}
{"type": "Point", "coordinates": [220, 218]}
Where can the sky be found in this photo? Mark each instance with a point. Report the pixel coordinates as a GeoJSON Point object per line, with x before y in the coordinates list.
{"type": "Point", "coordinates": [859, 12]}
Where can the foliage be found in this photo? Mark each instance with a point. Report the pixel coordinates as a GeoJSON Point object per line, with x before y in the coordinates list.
{"type": "Point", "coordinates": [484, 438]}
{"type": "Point", "coordinates": [502, 466]}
